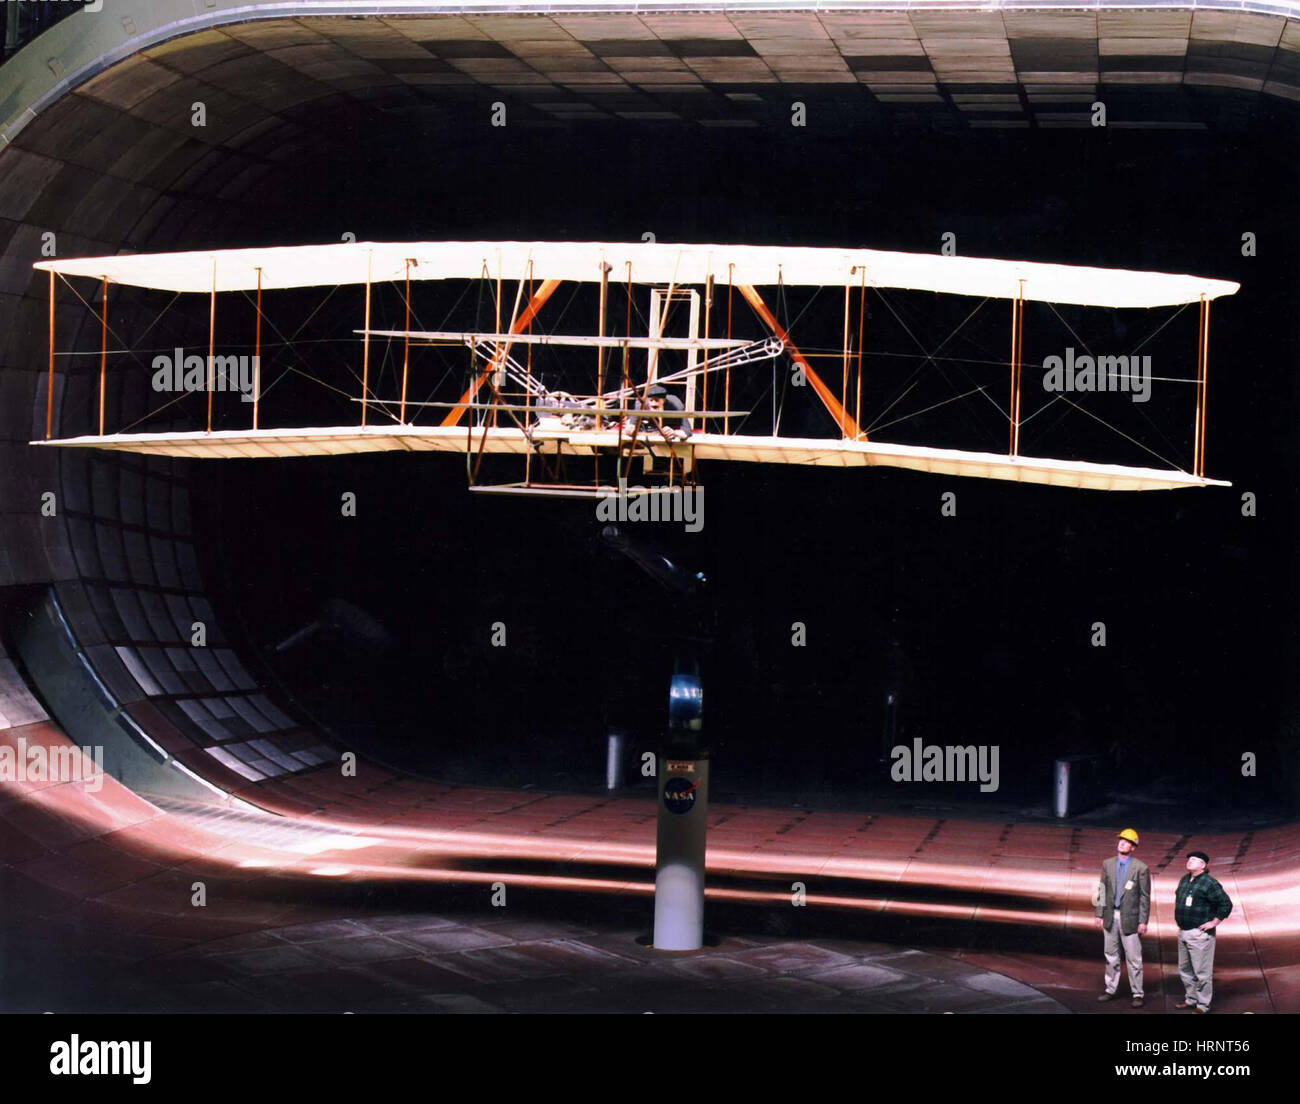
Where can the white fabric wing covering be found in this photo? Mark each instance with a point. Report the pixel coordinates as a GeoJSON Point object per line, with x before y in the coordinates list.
{"type": "Point", "coordinates": [651, 263]}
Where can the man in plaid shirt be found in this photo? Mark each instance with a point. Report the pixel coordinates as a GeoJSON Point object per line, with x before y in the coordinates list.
{"type": "Point", "coordinates": [1200, 907]}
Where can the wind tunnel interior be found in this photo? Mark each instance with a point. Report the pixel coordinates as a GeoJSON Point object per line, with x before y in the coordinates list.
{"type": "Point", "coordinates": [980, 624]}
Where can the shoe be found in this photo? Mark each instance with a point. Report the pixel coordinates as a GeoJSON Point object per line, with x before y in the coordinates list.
{"type": "Point", "coordinates": [1138, 1002]}
{"type": "Point", "coordinates": [1107, 997]}
{"type": "Point", "coordinates": [1200, 1011]}
{"type": "Point", "coordinates": [1185, 1004]}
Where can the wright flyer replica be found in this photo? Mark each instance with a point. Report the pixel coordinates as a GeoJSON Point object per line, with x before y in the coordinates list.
{"type": "Point", "coordinates": [678, 358]}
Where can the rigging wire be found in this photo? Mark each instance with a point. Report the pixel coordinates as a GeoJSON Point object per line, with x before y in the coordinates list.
{"type": "Point", "coordinates": [934, 406]}
{"type": "Point", "coordinates": [1146, 417]}
{"type": "Point", "coordinates": [913, 378]}
{"type": "Point", "coordinates": [929, 357]}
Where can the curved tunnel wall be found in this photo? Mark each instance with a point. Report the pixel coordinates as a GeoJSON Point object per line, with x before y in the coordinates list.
{"type": "Point", "coordinates": [101, 152]}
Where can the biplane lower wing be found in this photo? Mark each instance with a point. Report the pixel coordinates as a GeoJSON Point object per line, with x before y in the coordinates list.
{"type": "Point", "coordinates": [815, 452]}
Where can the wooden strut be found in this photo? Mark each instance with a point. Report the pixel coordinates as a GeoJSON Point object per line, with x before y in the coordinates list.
{"type": "Point", "coordinates": [498, 358]}
{"type": "Point", "coordinates": [212, 338]}
{"type": "Point", "coordinates": [776, 414]}
{"type": "Point", "coordinates": [257, 352]}
{"type": "Point", "coordinates": [862, 341]}
{"type": "Point", "coordinates": [1020, 367]}
{"type": "Point", "coordinates": [528, 395]}
{"type": "Point", "coordinates": [823, 392]}
{"type": "Point", "coordinates": [704, 378]}
{"type": "Point", "coordinates": [636, 430]}
{"type": "Point", "coordinates": [1205, 384]}
{"type": "Point", "coordinates": [844, 379]}
{"type": "Point", "coordinates": [535, 303]}
{"type": "Point", "coordinates": [627, 375]}
{"type": "Point", "coordinates": [1017, 355]}
{"type": "Point", "coordinates": [600, 349]}
{"type": "Point", "coordinates": [49, 388]}
{"type": "Point", "coordinates": [726, 397]}
{"type": "Point", "coordinates": [492, 380]}
{"type": "Point", "coordinates": [365, 348]}
{"type": "Point", "coordinates": [650, 353]}
{"type": "Point", "coordinates": [1199, 428]}
{"type": "Point", "coordinates": [1202, 382]}
{"type": "Point", "coordinates": [103, 353]}
{"type": "Point", "coordinates": [406, 344]}
{"type": "Point", "coordinates": [627, 360]}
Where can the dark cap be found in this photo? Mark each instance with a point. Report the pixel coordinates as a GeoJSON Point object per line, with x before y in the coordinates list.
{"type": "Point", "coordinates": [656, 391]}
{"type": "Point", "coordinates": [1199, 855]}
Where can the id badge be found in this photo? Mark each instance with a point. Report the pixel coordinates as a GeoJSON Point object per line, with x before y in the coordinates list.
{"type": "Point", "coordinates": [1188, 902]}
{"type": "Point", "coordinates": [1127, 886]}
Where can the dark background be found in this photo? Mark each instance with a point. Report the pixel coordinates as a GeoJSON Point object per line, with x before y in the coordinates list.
{"type": "Point", "coordinates": [981, 623]}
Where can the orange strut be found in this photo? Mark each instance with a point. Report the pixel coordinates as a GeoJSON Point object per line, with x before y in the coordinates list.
{"type": "Point", "coordinates": [103, 353]}
{"type": "Point", "coordinates": [49, 392]}
{"type": "Point", "coordinates": [1205, 382]}
{"type": "Point", "coordinates": [257, 352]}
{"type": "Point", "coordinates": [844, 382]}
{"type": "Point", "coordinates": [726, 396]}
{"type": "Point", "coordinates": [1202, 366]}
{"type": "Point", "coordinates": [862, 319]}
{"type": "Point", "coordinates": [406, 343]}
{"type": "Point", "coordinates": [365, 350]}
{"type": "Point", "coordinates": [824, 393]}
{"type": "Point", "coordinates": [212, 337]}
{"type": "Point", "coordinates": [1017, 354]}
{"type": "Point", "coordinates": [518, 326]}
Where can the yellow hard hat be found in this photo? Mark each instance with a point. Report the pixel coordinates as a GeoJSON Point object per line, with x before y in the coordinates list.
{"type": "Point", "coordinates": [1128, 834]}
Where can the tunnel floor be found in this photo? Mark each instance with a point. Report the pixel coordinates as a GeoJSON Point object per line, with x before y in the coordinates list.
{"type": "Point", "coordinates": [376, 894]}
{"type": "Point", "coordinates": [420, 962]}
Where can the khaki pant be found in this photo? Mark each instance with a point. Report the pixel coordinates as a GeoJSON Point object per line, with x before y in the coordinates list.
{"type": "Point", "coordinates": [1196, 965]}
{"type": "Point", "coordinates": [1132, 956]}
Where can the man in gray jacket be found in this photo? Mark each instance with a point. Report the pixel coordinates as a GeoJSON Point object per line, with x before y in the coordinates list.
{"type": "Point", "coordinates": [1123, 908]}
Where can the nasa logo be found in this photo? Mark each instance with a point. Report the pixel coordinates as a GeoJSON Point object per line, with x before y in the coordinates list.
{"type": "Point", "coordinates": [679, 795]}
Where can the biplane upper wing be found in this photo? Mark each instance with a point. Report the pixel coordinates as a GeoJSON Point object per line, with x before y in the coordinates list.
{"type": "Point", "coordinates": [650, 263]}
